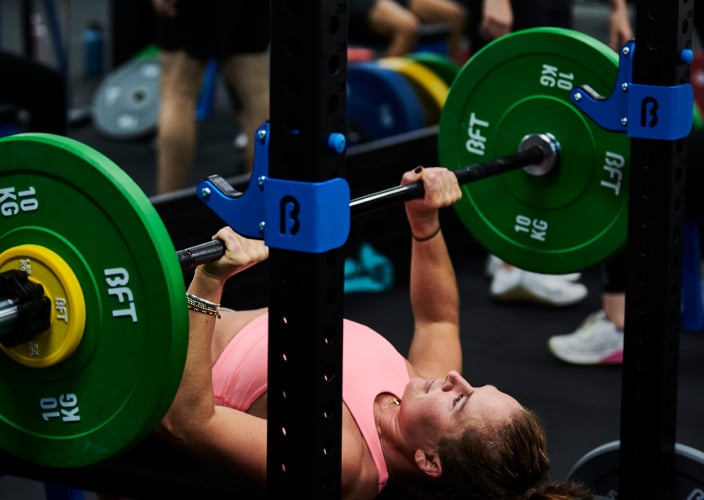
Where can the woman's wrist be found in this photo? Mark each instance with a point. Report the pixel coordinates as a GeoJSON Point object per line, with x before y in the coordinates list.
{"type": "Point", "coordinates": [426, 236]}
{"type": "Point", "coordinates": [206, 285]}
{"type": "Point", "coordinates": [424, 226]}
{"type": "Point", "coordinates": [203, 306]}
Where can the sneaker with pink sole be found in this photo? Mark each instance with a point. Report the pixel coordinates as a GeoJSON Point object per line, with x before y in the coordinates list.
{"type": "Point", "coordinates": [597, 341]}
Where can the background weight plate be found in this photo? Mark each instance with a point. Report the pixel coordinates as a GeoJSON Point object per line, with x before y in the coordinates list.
{"type": "Point", "coordinates": [575, 216]}
{"type": "Point", "coordinates": [126, 104]}
{"type": "Point", "coordinates": [443, 66]}
{"type": "Point", "coordinates": [380, 103]}
{"type": "Point", "coordinates": [697, 122]}
{"type": "Point", "coordinates": [600, 469]}
{"type": "Point", "coordinates": [431, 89]}
{"type": "Point", "coordinates": [114, 389]}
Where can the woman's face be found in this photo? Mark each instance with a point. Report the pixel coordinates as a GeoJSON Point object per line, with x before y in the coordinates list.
{"type": "Point", "coordinates": [431, 408]}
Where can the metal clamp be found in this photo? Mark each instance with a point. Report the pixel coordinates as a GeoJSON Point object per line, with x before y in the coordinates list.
{"type": "Point", "coordinates": [309, 217]}
{"type": "Point", "coordinates": [642, 111]}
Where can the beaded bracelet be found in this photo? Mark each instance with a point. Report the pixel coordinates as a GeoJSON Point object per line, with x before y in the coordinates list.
{"type": "Point", "coordinates": [426, 238]}
{"type": "Point", "coordinates": [202, 306]}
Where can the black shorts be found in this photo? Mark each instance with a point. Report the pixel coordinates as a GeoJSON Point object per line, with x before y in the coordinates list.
{"type": "Point", "coordinates": [526, 14]}
{"type": "Point", "coordinates": [215, 29]}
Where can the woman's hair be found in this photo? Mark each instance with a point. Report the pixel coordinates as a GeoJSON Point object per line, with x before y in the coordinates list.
{"type": "Point", "coordinates": [507, 461]}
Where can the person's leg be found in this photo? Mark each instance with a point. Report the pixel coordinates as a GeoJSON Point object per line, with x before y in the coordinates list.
{"type": "Point", "coordinates": [599, 339]}
{"type": "Point", "coordinates": [389, 19]}
{"type": "Point", "coordinates": [449, 12]}
{"type": "Point", "coordinates": [614, 305]}
{"type": "Point", "coordinates": [613, 290]}
{"type": "Point", "coordinates": [248, 74]}
{"type": "Point", "coordinates": [243, 53]}
{"type": "Point", "coordinates": [181, 81]}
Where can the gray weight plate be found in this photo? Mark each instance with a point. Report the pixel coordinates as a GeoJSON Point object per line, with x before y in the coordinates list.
{"type": "Point", "coordinates": [126, 105]}
{"type": "Point", "coordinates": [600, 468]}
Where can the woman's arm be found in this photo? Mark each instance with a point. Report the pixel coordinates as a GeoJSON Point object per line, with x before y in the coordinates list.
{"type": "Point", "coordinates": [229, 437]}
{"type": "Point", "coordinates": [435, 347]}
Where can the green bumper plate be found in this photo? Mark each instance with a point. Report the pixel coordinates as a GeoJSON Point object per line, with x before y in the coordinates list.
{"type": "Point", "coordinates": [116, 386]}
{"type": "Point", "coordinates": [443, 66]}
{"type": "Point", "coordinates": [573, 217]}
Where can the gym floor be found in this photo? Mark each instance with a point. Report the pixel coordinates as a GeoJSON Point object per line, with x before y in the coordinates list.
{"type": "Point", "coordinates": [505, 344]}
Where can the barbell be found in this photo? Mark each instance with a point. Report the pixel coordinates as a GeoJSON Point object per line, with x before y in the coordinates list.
{"type": "Point", "coordinates": [83, 249]}
{"type": "Point", "coordinates": [537, 153]}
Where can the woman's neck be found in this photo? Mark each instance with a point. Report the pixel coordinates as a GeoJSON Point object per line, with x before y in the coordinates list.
{"type": "Point", "coordinates": [387, 408]}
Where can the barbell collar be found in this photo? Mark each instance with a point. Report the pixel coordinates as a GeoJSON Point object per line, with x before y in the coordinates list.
{"type": "Point", "coordinates": [25, 311]}
{"type": "Point", "coordinates": [8, 317]}
{"type": "Point", "coordinates": [550, 149]}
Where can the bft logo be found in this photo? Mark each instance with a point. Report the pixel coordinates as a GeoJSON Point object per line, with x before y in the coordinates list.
{"type": "Point", "coordinates": [289, 209]}
{"type": "Point", "coordinates": [649, 112]}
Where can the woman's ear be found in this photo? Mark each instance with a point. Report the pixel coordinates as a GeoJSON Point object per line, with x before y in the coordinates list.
{"type": "Point", "coordinates": [428, 462]}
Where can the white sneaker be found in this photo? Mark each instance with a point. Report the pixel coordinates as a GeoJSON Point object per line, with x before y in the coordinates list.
{"type": "Point", "coordinates": [493, 262]}
{"type": "Point", "coordinates": [514, 284]}
{"type": "Point", "coordinates": [595, 342]}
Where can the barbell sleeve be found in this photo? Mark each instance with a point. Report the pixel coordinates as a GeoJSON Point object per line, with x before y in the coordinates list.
{"type": "Point", "coordinates": [540, 148]}
{"type": "Point", "coordinates": [200, 254]}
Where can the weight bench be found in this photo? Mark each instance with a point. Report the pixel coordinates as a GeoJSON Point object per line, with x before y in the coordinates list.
{"type": "Point", "coordinates": [152, 469]}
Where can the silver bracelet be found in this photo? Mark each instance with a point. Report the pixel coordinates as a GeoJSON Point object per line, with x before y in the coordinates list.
{"type": "Point", "coordinates": [202, 306]}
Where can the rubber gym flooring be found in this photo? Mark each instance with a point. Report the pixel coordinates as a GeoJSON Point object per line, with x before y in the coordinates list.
{"type": "Point", "coordinates": [504, 344]}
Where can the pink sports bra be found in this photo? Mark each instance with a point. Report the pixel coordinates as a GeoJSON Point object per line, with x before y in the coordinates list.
{"type": "Point", "coordinates": [371, 365]}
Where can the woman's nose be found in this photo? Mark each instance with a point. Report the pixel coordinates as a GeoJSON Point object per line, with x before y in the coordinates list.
{"type": "Point", "coordinates": [454, 379]}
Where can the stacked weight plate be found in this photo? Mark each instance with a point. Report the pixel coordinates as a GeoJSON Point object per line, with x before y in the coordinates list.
{"type": "Point", "coordinates": [394, 95]}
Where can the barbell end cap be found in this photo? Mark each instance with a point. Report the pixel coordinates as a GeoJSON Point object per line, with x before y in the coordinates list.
{"type": "Point", "coordinates": [550, 148]}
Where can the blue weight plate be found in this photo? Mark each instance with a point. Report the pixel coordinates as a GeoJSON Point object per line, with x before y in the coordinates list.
{"type": "Point", "coordinates": [380, 103]}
